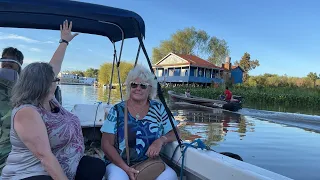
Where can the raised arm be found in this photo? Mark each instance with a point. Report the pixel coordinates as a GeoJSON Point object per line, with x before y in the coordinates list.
{"type": "Point", "coordinates": [66, 35]}
{"type": "Point", "coordinates": [32, 131]}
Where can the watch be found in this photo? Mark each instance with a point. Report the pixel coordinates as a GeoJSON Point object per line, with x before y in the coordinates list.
{"type": "Point", "coordinates": [62, 40]}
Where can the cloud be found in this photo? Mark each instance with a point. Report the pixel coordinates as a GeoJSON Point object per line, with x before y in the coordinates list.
{"type": "Point", "coordinates": [35, 49]}
{"type": "Point", "coordinates": [28, 61]}
{"type": "Point", "coordinates": [17, 37]}
{"type": "Point", "coordinates": [4, 36]}
{"type": "Point", "coordinates": [32, 49]}
{"type": "Point", "coordinates": [48, 42]}
{"type": "Point", "coordinates": [90, 50]}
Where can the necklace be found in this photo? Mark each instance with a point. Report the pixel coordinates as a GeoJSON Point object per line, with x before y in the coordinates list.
{"type": "Point", "coordinates": [137, 112]}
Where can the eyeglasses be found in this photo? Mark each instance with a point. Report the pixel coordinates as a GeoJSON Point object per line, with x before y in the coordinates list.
{"type": "Point", "coordinates": [56, 80]}
{"type": "Point", "coordinates": [142, 85]}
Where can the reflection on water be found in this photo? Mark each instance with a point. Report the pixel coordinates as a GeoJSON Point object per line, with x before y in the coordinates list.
{"type": "Point", "coordinates": [73, 94]}
{"type": "Point", "coordinates": [290, 151]}
{"type": "Point", "coordinates": [210, 125]}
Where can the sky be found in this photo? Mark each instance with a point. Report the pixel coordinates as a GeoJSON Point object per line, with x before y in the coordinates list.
{"type": "Point", "coordinates": [283, 35]}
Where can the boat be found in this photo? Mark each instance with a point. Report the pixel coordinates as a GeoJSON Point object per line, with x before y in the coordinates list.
{"type": "Point", "coordinates": [117, 25]}
{"type": "Point", "coordinates": [233, 105]}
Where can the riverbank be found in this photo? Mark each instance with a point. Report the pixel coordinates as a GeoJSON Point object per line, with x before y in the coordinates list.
{"type": "Point", "coordinates": [82, 84]}
{"type": "Point", "coordinates": [283, 99]}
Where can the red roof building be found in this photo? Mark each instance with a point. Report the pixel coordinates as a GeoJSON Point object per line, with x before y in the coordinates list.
{"type": "Point", "coordinates": [179, 68]}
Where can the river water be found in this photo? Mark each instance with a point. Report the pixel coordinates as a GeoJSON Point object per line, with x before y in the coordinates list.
{"type": "Point", "coordinates": [286, 143]}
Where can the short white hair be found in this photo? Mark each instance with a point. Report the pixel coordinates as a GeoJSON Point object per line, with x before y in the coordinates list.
{"type": "Point", "coordinates": [145, 75]}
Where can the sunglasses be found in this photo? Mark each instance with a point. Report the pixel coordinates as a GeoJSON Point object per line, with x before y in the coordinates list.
{"type": "Point", "coordinates": [56, 80]}
{"type": "Point", "coordinates": [142, 85]}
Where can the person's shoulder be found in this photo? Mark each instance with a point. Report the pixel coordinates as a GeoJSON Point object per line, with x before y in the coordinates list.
{"type": "Point", "coordinates": [119, 104]}
{"type": "Point", "coordinates": [155, 103]}
{"type": "Point", "coordinates": [26, 113]}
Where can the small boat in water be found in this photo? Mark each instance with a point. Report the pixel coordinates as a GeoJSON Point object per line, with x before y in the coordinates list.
{"type": "Point", "coordinates": [233, 105]}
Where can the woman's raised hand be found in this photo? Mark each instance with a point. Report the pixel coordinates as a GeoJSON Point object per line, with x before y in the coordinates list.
{"type": "Point", "coordinates": [65, 30]}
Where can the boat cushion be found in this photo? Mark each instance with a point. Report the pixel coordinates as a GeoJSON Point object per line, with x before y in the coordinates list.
{"type": "Point", "coordinates": [91, 115]}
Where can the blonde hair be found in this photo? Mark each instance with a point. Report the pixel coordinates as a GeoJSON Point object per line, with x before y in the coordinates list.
{"type": "Point", "coordinates": [145, 75]}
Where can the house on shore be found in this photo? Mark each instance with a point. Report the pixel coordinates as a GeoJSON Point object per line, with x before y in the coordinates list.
{"type": "Point", "coordinates": [233, 73]}
{"type": "Point", "coordinates": [66, 78]}
{"type": "Point", "coordinates": [189, 69]}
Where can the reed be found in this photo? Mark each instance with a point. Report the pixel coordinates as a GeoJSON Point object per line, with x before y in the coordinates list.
{"type": "Point", "coordinates": [279, 95]}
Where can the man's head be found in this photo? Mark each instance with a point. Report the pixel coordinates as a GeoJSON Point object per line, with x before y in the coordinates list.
{"type": "Point", "coordinates": [227, 88]}
{"type": "Point", "coordinates": [14, 55]}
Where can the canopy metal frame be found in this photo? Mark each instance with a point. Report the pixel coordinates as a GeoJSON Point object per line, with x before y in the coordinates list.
{"type": "Point", "coordinates": [116, 24]}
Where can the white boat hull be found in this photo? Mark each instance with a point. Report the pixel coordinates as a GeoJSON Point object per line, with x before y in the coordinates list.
{"type": "Point", "coordinates": [198, 164]}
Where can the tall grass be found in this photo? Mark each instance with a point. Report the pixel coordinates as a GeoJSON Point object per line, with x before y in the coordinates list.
{"type": "Point", "coordinates": [280, 95]}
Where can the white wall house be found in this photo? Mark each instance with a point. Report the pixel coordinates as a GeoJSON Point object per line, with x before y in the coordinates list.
{"type": "Point", "coordinates": [87, 80]}
{"type": "Point", "coordinates": [70, 78]}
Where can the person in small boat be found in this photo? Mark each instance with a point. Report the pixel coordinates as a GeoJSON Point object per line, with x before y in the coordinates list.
{"type": "Point", "coordinates": [149, 128]}
{"type": "Point", "coordinates": [228, 94]}
{"type": "Point", "coordinates": [15, 58]}
{"type": "Point", "coordinates": [47, 141]}
{"type": "Point", "coordinates": [187, 93]}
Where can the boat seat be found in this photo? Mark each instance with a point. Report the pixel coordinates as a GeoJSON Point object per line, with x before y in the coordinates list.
{"type": "Point", "coordinates": [91, 115]}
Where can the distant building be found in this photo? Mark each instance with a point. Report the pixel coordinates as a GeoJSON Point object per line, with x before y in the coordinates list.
{"type": "Point", "coordinates": [179, 68]}
{"type": "Point", "coordinates": [234, 73]}
{"type": "Point", "coordinates": [66, 78]}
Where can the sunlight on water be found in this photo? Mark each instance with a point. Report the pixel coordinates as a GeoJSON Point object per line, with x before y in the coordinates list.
{"type": "Point", "coordinates": [73, 94]}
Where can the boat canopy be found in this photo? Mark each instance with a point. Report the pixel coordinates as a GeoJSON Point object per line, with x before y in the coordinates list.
{"type": "Point", "coordinates": [114, 23]}
{"type": "Point", "coordinates": [88, 18]}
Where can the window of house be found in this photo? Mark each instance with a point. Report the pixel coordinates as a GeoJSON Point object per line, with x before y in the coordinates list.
{"type": "Point", "coordinates": [183, 72]}
{"type": "Point", "coordinates": [171, 72]}
{"type": "Point", "coordinates": [177, 72]}
{"type": "Point", "coordinates": [207, 73]}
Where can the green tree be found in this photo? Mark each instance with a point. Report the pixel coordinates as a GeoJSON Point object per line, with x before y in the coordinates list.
{"type": "Point", "coordinates": [105, 71]}
{"type": "Point", "coordinates": [218, 50]}
{"type": "Point", "coordinates": [247, 64]}
{"type": "Point", "coordinates": [91, 72]}
{"type": "Point", "coordinates": [78, 72]}
{"type": "Point", "coordinates": [192, 42]}
{"type": "Point", "coordinates": [313, 77]}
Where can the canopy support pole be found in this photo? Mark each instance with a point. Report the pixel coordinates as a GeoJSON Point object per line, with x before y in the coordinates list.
{"type": "Point", "coordinates": [160, 94]}
{"type": "Point", "coordinates": [115, 58]}
{"type": "Point", "coordinates": [137, 57]}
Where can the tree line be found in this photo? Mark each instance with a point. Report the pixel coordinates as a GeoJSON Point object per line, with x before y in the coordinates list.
{"type": "Point", "coordinates": [91, 72]}
{"type": "Point", "coordinates": [103, 74]}
{"type": "Point", "coordinates": [274, 80]}
{"type": "Point", "coordinates": [191, 41]}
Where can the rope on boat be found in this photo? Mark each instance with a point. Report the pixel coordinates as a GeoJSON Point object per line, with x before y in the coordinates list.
{"type": "Point", "coordinates": [94, 123]}
{"type": "Point", "coordinates": [200, 144]}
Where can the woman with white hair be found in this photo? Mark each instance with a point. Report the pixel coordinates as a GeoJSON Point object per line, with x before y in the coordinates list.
{"type": "Point", "coordinates": [149, 128]}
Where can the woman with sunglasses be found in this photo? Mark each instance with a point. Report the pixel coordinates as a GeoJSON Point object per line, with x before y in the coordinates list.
{"type": "Point", "coordinates": [47, 141]}
{"type": "Point", "coordinates": [149, 128]}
